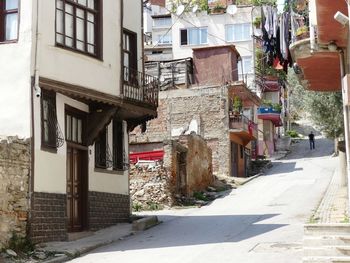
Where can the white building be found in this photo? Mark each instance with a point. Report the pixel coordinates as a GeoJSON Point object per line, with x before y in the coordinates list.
{"type": "Point", "coordinates": [157, 30]}
{"type": "Point", "coordinates": [201, 29]}
{"type": "Point", "coordinates": [72, 81]}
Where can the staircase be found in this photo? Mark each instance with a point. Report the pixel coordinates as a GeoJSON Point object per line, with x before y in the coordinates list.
{"type": "Point", "coordinates": [326, 243]}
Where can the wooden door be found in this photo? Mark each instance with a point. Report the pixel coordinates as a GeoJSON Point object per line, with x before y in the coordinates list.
{"type": "Point", "coordinates": [76, 188]}
{"type": "Point", "coordinates": [234, 159]}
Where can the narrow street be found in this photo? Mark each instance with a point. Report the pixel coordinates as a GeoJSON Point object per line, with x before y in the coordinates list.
{"type": "Point", "coordinates": [261, 221]}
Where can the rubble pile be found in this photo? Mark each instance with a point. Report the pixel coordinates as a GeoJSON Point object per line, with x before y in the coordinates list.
{"type": "Point", "coordinates": [150, 188]}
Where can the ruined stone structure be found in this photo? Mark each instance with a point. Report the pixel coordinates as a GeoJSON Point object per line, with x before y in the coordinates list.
{"type": "Point", "coordinates": [14, 187]}
{"type": "Point", "coordinates": [186, 168]}
{"type": "Point", "coordinates": [206, 108]}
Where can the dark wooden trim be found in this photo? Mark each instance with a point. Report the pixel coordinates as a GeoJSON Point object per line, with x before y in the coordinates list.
{"type": "Point", "coordinates": [51, 144]}
{"type": "Point", "coordinates": [77, 92]}
{"type": "Point", "coordinates": [74, 112]}
{"type": "Point", "coordinates": [2, 22]}
{"type": "Point", "coordinates": [106, 171]}
{"type": "Point", "coordinates": [121, 48]}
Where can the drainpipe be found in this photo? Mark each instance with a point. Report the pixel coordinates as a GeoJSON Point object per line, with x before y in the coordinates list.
{"type": "Point", "coordinates": [36, 59]}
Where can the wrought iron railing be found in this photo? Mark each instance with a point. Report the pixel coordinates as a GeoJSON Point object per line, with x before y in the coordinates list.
{"type": "Point", "coordinates": [140, 87]}
{"type": "Point", "coordinates": [241, 122]}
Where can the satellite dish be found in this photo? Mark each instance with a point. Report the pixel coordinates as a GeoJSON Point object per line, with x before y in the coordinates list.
{"type": "Point", "coordinates": [231, 9]}
{"type": "Point", "coordinates": [194, 8]}
{"type": "Point", "coordinates": [180, 9]}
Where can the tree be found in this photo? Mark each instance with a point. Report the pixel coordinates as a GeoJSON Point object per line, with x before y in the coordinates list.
{"type": "Point", "coordinates": [324, 108]}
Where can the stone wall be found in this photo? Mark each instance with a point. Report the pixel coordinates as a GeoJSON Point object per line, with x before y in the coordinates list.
{"type": "Point", "coordinates": [199, 169]}
{"type": "Point", "coordinates": [177, 108]}
{"type": "Point", "coordinates": [14, 187]}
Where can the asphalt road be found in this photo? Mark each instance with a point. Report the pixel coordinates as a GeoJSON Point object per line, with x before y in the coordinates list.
{"type": "Point", "coordinates": [261, 221]}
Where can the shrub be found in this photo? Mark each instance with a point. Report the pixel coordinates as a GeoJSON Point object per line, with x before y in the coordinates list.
{"type": "Point", "coordinates": [293, 134]}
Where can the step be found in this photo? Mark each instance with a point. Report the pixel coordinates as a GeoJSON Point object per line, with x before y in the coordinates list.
{"type": "Point", "coordinates": [331, 240]}
{"type": "Point", "coordinates": [326, 259]}
{"type": "Point", "coordinates": [326, 229]}
{"type": "Point", "coordinates": [324, 251]}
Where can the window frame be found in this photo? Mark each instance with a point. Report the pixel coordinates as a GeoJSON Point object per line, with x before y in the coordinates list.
{"type": "Point", "coordinates": [51, 144]}
{"type": "Point", "coordinates": [188, 38]}
{"type": "Point", "coordinates": [118, 141]}
{"type": "Point", "coordinates": [98, 36]}
{"type": "Point", "coordinates": [227, 26]}
{"type": "Point", "coordinates": [101, 139]}
{"type": "Point", "coordinates": [3, 14]}
{"type": "Point", "coordinates": [80, 115]}
{"type": "Point", "coordinates": [241, 62]}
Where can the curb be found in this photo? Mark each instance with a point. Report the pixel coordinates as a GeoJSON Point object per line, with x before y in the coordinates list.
{"type": "Point", "coordinates": [251, 178]}
{"type": "Point", "coordinates": [138, 225]}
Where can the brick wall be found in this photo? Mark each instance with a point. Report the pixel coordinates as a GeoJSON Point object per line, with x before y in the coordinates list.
{"type": "Point", "coordinates": [14, 187]}
{"type": "Point", "coordinates": [48, 217]}
{"type": "Point", "coordinates": [209, 106]}
{"type": "Point", "coordinates": [106, 209]}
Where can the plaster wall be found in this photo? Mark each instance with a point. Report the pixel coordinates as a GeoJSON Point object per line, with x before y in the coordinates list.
{"type": "Point", "coordinates": [81, 69]}
{"type": "Point", "coordinates": [15, 78]}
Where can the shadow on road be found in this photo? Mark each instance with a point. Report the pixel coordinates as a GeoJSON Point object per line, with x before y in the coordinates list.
{"type": "Point", "coordinates": [197, 230]}
{"type": "Point", "coordinates": [282, 167]}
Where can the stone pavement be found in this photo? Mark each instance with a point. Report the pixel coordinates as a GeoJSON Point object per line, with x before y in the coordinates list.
{"type": "Point", "coordinates": [334, 205]}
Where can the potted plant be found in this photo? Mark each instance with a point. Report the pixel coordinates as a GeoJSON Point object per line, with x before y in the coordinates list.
{"type": "Point", "coordinates": [302, 33]}
{"type": "Point", "coordinates": [237, 105]}
{"type": "Point", "coordinates": [219, 9]}
{"type": "Point", "coordinates": [257, 22]}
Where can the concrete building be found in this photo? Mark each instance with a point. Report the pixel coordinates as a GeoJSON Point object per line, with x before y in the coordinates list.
{"type": "Point", "coordinates": [73, 84]}
{"type": "Point", "coordinates": [203, 29]}
{"type": "Point", "coordinates": [157, 30]}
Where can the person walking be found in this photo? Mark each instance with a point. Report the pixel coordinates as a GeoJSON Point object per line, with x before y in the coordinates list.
{"type": "Point", "coordinates": [312, 140]}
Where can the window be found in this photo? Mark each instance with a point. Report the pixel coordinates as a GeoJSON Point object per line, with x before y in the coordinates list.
{"type": "Point", "coordinates": [118, 145]}
{"type": "Point", "coordinates": [48, 119]}
{"type": "Point", "coordinates": [164, 39]}
{"type": "Point", "coordinates": [77, 25]}
{"type": "Point", "coordinates": [246, 62]}
{"type": "Point", "coordinates": [101, 150]}
{"type": "Point", "coordinates": [74, 128]}
{"type": "Point", "coordinates": [194, 36]}
{"type": "Point", "coordinates": [162, 22]}
{"type": "Point", "coordinates": [238, 32]}
{"type": "Point", "coordinates": [130, 55]}
{"type": "Point", "coordinates": [8, 20]}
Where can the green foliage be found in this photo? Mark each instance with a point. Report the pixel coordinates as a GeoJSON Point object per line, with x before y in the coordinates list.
{"type": "Point", "coordinates": [257, 21]}
{"type": "Point", "coordinates": [275, 106]}
{"type": "Point", "coordinates": [20, 243]}
{"type": "Point", "coordinates": [237, 104]}
{"type": "Point", "coordinates": [292, 134]}
{"type": "Point", "coordinates": [324, 108]}
{"type": "Point", "coordinates": [202, 4]}
{"type": "Point", "coordinates": [200, 196]}
{"type": "Point", "coordinates": [264, 2]}
{"type": "Point", "coordinates": [136, 207]}
{"type": "Point", "coordinates": [153, 206]}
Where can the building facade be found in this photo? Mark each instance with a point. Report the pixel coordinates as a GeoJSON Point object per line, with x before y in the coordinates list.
{"type": "Point", "coordinates": [75, 86]}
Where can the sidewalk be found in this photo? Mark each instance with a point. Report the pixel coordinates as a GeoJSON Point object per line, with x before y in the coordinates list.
{"type": "Point", "coordinates": [67, 250]}
{"type": "Point", "coordinates": [334, 205]}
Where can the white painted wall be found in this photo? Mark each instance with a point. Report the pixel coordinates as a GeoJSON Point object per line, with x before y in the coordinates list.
{"type": "Point", "coordinates": [216, 32]}
{"type": "Point", "coordinates": [132, 21]}
{"type": "Point", "coordinates": [71, 67]}
{"type": "Point", "coordinates": [15, 78]}
{"type": "Point", "coordinates": [50, 168]}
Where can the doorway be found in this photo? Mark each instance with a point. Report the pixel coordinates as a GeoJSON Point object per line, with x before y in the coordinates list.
{"type": "Point", "coordinates": [77, 171]}
{"type": "Point", "coordinates": [234, 159]}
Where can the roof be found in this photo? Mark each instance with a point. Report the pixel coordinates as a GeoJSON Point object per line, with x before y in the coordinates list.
{"type": "Point", "coordinates": [232, 47]}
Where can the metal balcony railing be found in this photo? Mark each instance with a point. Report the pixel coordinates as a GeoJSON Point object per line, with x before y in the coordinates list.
{"type": "Point", "coordinates": [268, 110]}
{"type": "Point", "coordinates": [139, 87]}
{"type": "Point", "coordinates": [240, 122]}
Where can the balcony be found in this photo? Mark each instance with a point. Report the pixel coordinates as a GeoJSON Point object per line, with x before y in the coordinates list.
{"type": "Point", "coordinates": [243, 128]}
{"type": "Point", "coordinates": [319, 64]}
{"type": "Point", "coordinates": [270, 114]}
{"type": "Point", "coordinates": [140, 88]}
